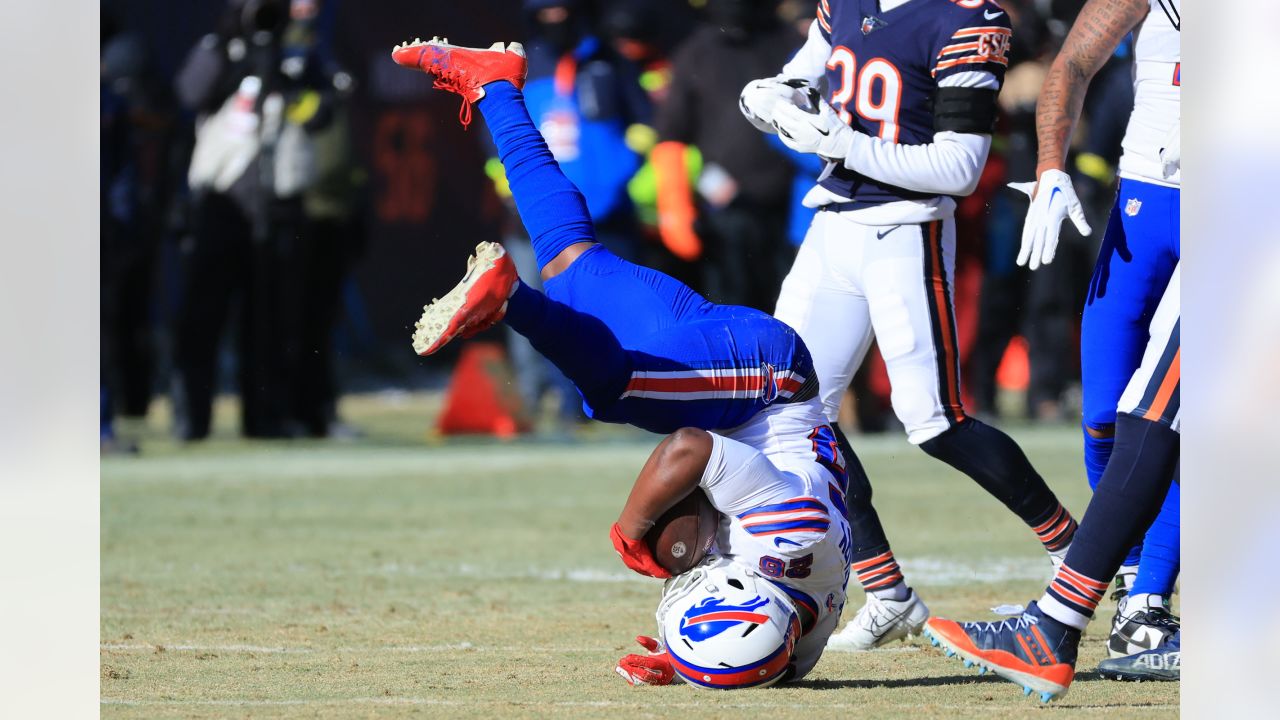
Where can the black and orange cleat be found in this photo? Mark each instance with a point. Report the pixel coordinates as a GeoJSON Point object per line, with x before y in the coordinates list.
{"type": "Point", "coordinates": [1034, 650]}
{"type": "Point", "coordinates": [475, 304]}
{"type": "Point", "coordinates": [464, 70]}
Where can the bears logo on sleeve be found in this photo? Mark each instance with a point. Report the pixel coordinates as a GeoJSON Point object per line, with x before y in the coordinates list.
{"type": "Point", "coordinates": [980, 43]}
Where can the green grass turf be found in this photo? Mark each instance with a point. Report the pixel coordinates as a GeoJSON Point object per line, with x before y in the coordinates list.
{"type": "Point", "coordinates": [390, 577]}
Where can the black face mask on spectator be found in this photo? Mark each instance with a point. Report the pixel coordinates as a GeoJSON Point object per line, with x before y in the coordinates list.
{"type": "Point", "coordinates": [263, 15]}
{"type": "Point", "coordinates": [561, 36]}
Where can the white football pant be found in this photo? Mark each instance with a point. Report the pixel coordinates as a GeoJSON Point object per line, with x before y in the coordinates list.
{"type": "Point", "coordinates": [852, 283]}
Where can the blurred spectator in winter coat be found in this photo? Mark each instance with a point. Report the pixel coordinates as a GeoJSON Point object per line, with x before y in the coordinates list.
{"type": "Point", "coordinates": [137, 125]}
{"type": "Point", "coordinates": [736, 225]}
{"type": "Point", "coordinates": [261, 94]}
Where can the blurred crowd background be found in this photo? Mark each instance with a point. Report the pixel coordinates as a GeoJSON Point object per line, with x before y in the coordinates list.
{"type": "Point", "coordinates": [278, 200]}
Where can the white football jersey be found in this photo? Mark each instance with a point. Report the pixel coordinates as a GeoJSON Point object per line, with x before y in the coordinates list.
{"type": "Point", "coordinates": [1157, 90]}
{"type": "Point", "coordinates": [783, 514]}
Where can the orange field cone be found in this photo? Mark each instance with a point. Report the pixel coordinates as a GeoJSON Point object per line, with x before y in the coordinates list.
{"type": "Point", "coordinates": [1014, 372]}
{"type": "Point", "coordinates": [482, 397]}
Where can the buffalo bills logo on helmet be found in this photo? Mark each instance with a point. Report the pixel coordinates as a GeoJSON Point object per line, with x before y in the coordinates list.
{"type": "Point", "coordinates": [713, 616]}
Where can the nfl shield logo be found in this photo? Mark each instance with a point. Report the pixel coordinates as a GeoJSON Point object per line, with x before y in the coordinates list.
{"type": "Point", "coordinates": [1132, 207]}
{"type": "Point", "coordinates": [870, 23]}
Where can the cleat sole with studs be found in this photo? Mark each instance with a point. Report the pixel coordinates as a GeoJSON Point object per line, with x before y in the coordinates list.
{"type": "Point", "coordinates": [1030, 683]}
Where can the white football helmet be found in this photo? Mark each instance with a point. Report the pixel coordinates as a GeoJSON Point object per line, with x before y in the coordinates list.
{"type": "Point", "coordinates": [725, 627]}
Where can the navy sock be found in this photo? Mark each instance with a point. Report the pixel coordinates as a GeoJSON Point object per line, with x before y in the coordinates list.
{"type": "Point", "coordinates": [996, 463]}
{"type": "Point", "coordinates": [1127, 498]}
{"type": "Point", "coordinates": [1097, 451]}
{"type": "Point", "coordinates": [554, 212]}
{"type": "Point", "coordinates": [875, 566]}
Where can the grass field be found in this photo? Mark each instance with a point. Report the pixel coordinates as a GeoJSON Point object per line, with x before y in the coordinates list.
{"type": "Point", "coordinates": [391, 576]}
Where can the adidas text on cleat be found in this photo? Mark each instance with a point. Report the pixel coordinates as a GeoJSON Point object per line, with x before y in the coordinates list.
{"type": "Point", "coordinates": [880, 622]}
{"type": "Point", "coordinates": [476, 303]}
{"type": "Point", "coordinates": [1163, 663]}
{"type": "Point", "coordinates": [1141, 623]}
{"type": "Point", "coordinates": [1034, 651]}
{"type": "Point", "coordinates": [463, 70]}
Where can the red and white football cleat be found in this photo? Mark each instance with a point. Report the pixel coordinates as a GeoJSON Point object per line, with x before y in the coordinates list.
{"type": "Point", "coordinates": [475, 304]}
{"type": "Point", "coordinates": [463, 70]}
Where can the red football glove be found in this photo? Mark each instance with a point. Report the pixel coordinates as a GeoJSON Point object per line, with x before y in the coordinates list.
{"type": "Point", "coordinates": [652, 669]}
{"type": "Point", "coordinates": [635, 554]}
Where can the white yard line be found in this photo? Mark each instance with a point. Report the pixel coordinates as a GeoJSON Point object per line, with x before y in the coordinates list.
{"type": "Point", "coordinates": [788, 703]}
{"type": "Point", "coordinates": [389, 649]}
{"type": "Point", "coordinates": [926, 570]}
{"type": "Point", "coordinates": [345, 649]}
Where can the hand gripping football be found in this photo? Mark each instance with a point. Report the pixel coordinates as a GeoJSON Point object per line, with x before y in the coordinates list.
{"type": "Point", "coordinates": [681, 538]}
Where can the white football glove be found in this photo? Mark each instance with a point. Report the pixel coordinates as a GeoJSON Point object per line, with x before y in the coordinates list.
{"type": "Point", "coordinates": [1171, 151]}
{"type": "Point", "coordinates": [760, 97]}
{"type": "Point", "coordinates": [1052, 200]}
{"type": "Point", "coordinates": [820, 132]}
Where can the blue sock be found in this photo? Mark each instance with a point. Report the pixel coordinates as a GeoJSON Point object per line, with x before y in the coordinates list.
{"type": "Point", "coordinates": [1097, 451]}
{"type": "Point", "coordinates": [554, 212]}
{"type": "Point", "coordinates": [1161, 550]}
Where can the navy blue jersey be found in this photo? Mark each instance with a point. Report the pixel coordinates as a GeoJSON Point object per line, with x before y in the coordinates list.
{"type": "Point", "coordinates": [885, 67]}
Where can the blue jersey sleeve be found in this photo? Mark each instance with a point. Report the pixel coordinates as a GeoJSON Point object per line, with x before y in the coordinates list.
{"type": "Point", "coordinates": [976, 39]}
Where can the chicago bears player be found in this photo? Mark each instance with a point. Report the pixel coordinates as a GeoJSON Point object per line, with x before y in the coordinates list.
{"type": "Point", "coordinates": [644, 349]}
{"type": "Point", "coordinates": [1038, 650]}
{"type": "Point", "coordinates": [1139, 251]}
{"type": "Point", "coordinates": [912, 87]}
{"type": "Point", "coordinates": [782, 558]}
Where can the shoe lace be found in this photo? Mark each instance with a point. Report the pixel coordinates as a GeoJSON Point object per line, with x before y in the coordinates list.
{"type": "Point", "coordinates": [1162, 618]}
{"type": "Point", "coordinates": [453, 81]}
{"type": "Point", "coordinates": [866, 616]}
{"type": "Point", "coordinates": [1023, 622]}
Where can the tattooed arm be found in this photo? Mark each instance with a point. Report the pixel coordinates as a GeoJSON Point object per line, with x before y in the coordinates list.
{"type": "Point", "coordinates": [1097, 32]}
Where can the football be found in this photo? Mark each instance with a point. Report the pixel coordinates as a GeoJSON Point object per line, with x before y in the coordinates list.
{"type": "Point", "coordinates": [680, 539]}
{"type": "Point", "coordinates": [805, 96]}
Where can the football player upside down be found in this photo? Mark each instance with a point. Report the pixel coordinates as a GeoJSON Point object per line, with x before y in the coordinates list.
{"type": "Point", "coordinates": [733, 387]}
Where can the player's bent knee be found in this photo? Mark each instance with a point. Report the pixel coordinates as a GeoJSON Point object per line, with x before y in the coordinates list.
{"type": "Point", "coordinates": [922, 436]}
{"type": "Point", "coordinates": [919, 413]}
{"type": "Point", "coordinates": [1100, 431]}
{"type": "Point", "coordinates": [564, 259]}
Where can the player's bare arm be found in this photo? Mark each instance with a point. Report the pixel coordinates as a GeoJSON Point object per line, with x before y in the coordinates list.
{"type": "Point", "coordinates": [1096, 34]}
{"type": "Point", "coordinates": [671, 473]}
